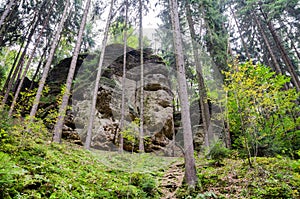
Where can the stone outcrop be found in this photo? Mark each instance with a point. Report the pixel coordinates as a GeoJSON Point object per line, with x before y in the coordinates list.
{"type": "Point", "coordinates": [158, 97]}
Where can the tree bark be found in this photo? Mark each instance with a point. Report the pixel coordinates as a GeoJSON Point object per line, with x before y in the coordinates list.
{"type": "Point", "coordinates": [121, 140]}
{"type": "Point", "coordinates": [28, 64]}
{"type": "Point", "coordinates": [18, 67]}
{"type": "Point", "coordinates": [13, 67]}
{"type": "Point", "coordinates": [240, 33]}
{"type": "Point", "coordinates": [266, 41]}
{"type": "Point", "coordinates": [65, 99]}
{"type": "Point", "coordinates": [190, 168]}
{"type": "Point", "coordinates": [201, 85]}
{"type": "Point", "coordinates": [6, 12]}
{"type": "Point", "coordinates": [296, 50]}
{"type": "Point", "coordinates": [48, 63]}
{"type": "Point", "coordinates": [41, 62]}
{"type": "Point", "coordinates": [285, 57]}
{"type": "Point", "coordinates": [141, 135]}
{"type": "Point", "coordinates": [95, 93]}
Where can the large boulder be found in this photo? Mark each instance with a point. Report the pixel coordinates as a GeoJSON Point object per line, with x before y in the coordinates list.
{"type": "Point", "coordinates": [158, 97]}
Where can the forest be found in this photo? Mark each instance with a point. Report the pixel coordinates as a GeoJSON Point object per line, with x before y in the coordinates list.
{"type": "Point", "coordinates": [149, 99]}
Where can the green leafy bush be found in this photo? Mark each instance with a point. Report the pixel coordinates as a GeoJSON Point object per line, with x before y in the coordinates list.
{"type": "Point", "coordinates": [218, 152]}
{"type": "Point", "coordinates": [263, 116]}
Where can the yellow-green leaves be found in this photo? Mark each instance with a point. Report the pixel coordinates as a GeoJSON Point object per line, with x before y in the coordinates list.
{"type": "Point", "coordinates": [261, 112]}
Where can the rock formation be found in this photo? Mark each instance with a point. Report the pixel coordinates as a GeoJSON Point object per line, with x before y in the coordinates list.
{"type": "Point", "coordinates": [158, 97]}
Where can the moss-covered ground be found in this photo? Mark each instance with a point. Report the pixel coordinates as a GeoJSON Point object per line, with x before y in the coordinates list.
{"type": "Point", "coordinates": [32, 166]}
{"type": "Point", "coordinates": [270, 177]}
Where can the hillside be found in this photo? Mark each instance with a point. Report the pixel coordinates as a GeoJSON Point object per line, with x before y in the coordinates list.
{"type": "Point", "coordinates": [33, 167]}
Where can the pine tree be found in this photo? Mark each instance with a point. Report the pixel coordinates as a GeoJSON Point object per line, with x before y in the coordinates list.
{"type": "Point", "coordinates": [63, 107]}
{"type": "Point", "coordinates": [190, 169]}
{"type": "Point", "coordinates": [49, 61]}
{"type": "Point", "coordinates": [19, 61]}
{"type": "Point", "coordinates": [202, 89]}
{"type": "Point", "coordinates": [29, 62]}
{"type": "Point", "coordinates": [141, 135]}
{"type": "Point", "coordinates": [6, 12]}
{"type": "Point", "coordinates": [123, 79]}
{"type": "Point", "coordinates": [95, 93]}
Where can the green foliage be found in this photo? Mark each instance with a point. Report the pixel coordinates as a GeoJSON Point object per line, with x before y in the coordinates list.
{"type": "Point", "coordinates": [6, 60]}
{"type": "Point", "coordinates": [131, 132]}
{"type": "Point", "coordinates": [33, 167]}
{"type": "Point", "coordinates": [146, 182]}
{"type": "Point", "coordinates": [269, 178]}
{"type": "Point", "coordinates": [263, 117]}
{"type": "Point", "coordinates": [8, 173]}
{"type": "Point", "coordinates": [218, 151]}
{"type": "Point", "coordinates": [5, 124]}
{"type": "Point", "coordinates": [117, 29]}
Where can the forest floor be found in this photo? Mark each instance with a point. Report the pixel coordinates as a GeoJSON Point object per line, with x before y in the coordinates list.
{"type": "Point", "coordinates": [33, 167]}
{"type": "Point", "coordinates": [172, 180]}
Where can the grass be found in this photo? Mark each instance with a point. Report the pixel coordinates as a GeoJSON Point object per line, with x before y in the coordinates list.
{"type": "Point", "coordinates": [271, 177]}
{"type": "Point", "coordinates": [33, 167]}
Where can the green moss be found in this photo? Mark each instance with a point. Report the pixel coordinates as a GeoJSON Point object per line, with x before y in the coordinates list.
{"type": "Point", "coordinates": [270, 178]}
{"type": "Point", "coordinates": [34, 167]}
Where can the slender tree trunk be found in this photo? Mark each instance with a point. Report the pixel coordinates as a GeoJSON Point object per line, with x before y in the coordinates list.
{"type": "Point", "coordinates": [240, 33]}
{"type": "Point", "coordinates": [41, 62]}
{"type": "Point", "coordinates": [141, 46]}
{"type": "Point", "coordinates": [95, 93]}
{"type": "Point", "coordinates": [285, 57]}
{"type": "Point", "coordinates": [123, 80]}
{"type": "Point", "coordinates": [201, 85]}
{"type": "Point", "coordinates": [49, 61]}
{"type": "Point", "coordinates": [6, 12]}
{"type": "Point", "coordinates": [276, 65]}
{"type": "Point", "coordinates": [13, 67]}
{"type": "Point", "coordinates": [63, 108]}
{"type": "Point", "coordinates": [190, 169]}
{"type": "Point", "coordinates": [296, 50]}
{"type": "Point", "coordinates": [28, 64]}
{"type": "Point", "coordinates": [18, 70]}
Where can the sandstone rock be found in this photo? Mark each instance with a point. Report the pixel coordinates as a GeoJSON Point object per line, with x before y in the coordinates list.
{"type": "Point", "coordinates": [158, 96]}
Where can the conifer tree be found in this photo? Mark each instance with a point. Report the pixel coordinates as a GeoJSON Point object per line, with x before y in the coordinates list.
{"type": "Point", "coordinates": [122, 120]}
{"type": "Point", "coordinates": [12, 106]}
{"type": "Point", "coordinates": [95, 93]}
{"type": "Point", "coordinates": [190, 169]}
{"type": "Point", "coordinates": [65, 99]}
{"type": "Point", "coordinates": [141, 135]}
{"type": "Point", "coordinates": [49, 61]}
{"type": "Point", "coordinates": [6, 12]}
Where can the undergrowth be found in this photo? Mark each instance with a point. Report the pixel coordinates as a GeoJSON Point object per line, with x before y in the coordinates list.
{"type": "Point", "coordinates": [33, 167]}
{"type": "Point", "coordinates": [276, 177]}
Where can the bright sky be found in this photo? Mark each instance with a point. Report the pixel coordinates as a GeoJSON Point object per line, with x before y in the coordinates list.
{"type": "Point", "coordinates": [151, 20]}
{"type": "Point", "coordinates": [150, 23]}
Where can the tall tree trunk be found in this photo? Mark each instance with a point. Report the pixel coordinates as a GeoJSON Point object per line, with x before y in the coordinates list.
{"type": "Point", "coordinates": [63, 107]}
{"type": "Point", "coordinates": [6, 12]}
{"type": "Point", "coordinates": [13, 67]}
{"type": "Point", "coordinates": [266, 41]}
{"type": "Point", "coordinates": [95, 93]}
{"type": "Point", "coordinates": [240, 33]}
{"type": "Point", "coordinates": [28, 63]}
{"type": "Point", "coordinates": [285, 57]}
{"type": "Point", "coordinates": [190, 169]}
{"type": "Point", "coordinates": [41, 62]}
{"type": "Point", "coordinates": [201, 86]}
{"type": "Point", "coordinates": [294, 47]}
{"type": "Point", "coordinates": [49, 61]}
{"type": "Point", "coordinates": [20, 63]}
{"type": "Point", "coordinates": [141, 46]}
{"type": "Point", "coordinates": [123, 80]}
